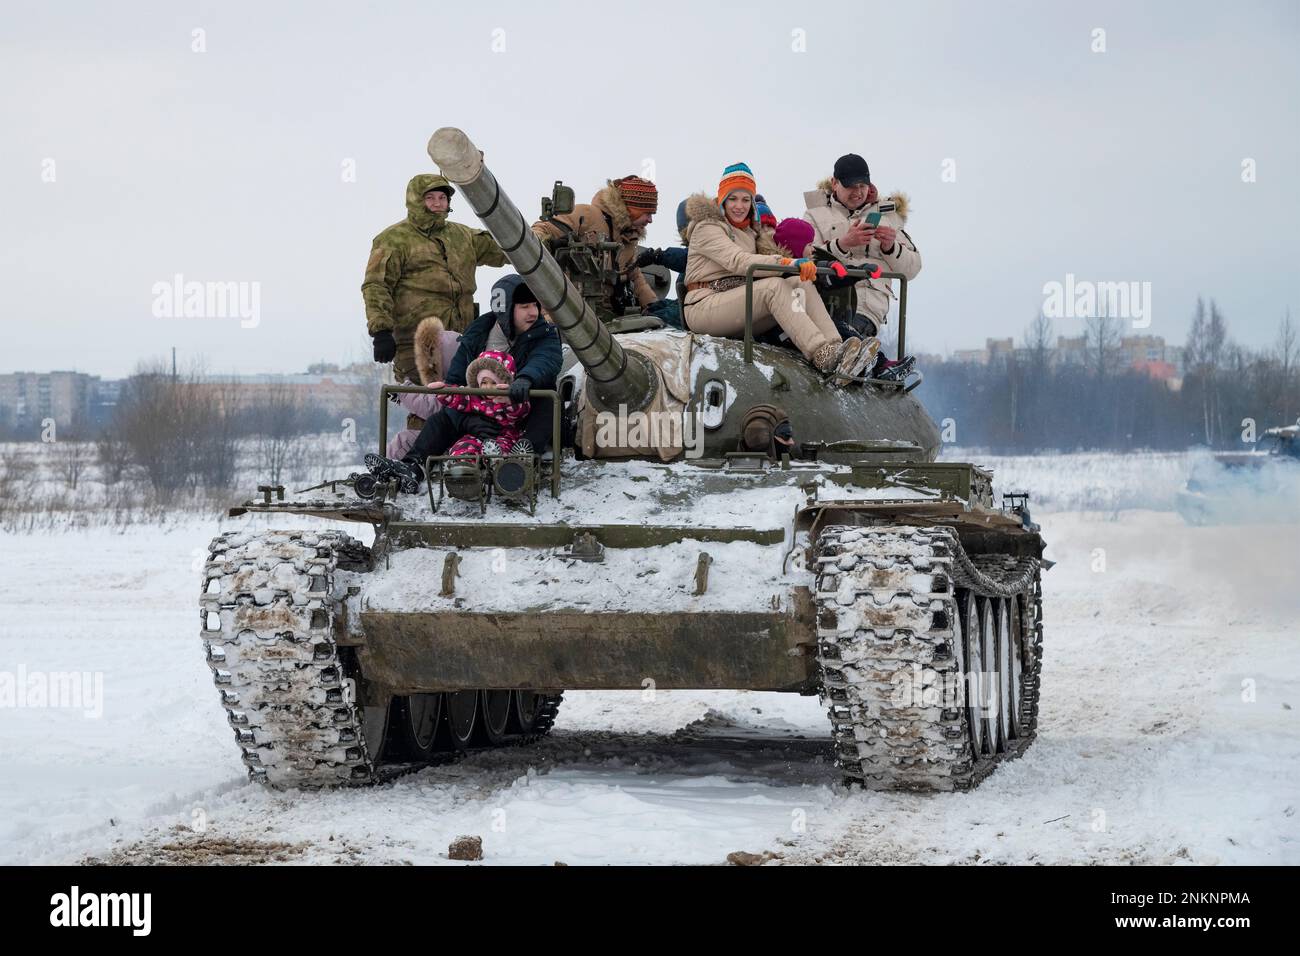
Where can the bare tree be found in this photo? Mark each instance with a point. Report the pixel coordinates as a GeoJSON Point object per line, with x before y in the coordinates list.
{"type": "Point", "coordinates": [1101, 336]}
{"type": "Point", "coordinates": [211, 442]}
{"type": "Point", "coordinates": [1038, 340]}
{"type": "Point", "coordinates": [71, 459]}
{"type": "Point", "coordinates": [15, 479]}
{"type": "Point", "coordinates": [1218, 352]}
{"type": "Point", "coordinates": [114, 454]}
{"type": "Point", "coordinates": [279, 419]}
{"type": "Point", "coordinates": [1199, 357]}
{"type": "Point", "coordinates": [150, 421]}
{"type": "Point", "coordinates": [179, 435]}
{"type": "Point", "coordinates": [1287, 354]}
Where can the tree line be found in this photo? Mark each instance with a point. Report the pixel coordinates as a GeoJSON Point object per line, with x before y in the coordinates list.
{"type": "Point", "coordinates": [1032, 402]}
{"type": "Point", "coordinates": [183, 433]}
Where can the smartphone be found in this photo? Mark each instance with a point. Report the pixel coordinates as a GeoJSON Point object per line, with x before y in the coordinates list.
{"type": "Point", "coordinates": [873, 219]}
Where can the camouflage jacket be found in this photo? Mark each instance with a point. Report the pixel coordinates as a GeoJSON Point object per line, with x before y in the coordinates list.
{"type": "Point", "coordinates": [423, 266]}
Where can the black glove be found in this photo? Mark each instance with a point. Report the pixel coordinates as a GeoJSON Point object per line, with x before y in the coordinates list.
{"type": "Point", "coordinates": [385, 346]}
{"type": "Point", "coordinates": [482, 427]}
{"type": "Point", "coordinates": [519, 390]}
{"type": "Point", "coordinates": [649, 257]}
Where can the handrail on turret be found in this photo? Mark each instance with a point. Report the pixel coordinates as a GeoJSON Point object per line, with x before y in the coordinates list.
{"type": "Point", "coordinates": [823, 271]}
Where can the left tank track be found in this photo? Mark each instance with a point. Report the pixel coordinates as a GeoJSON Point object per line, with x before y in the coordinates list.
{"type": "Point", "coordinates": [269, 613]}
{"type": "Point", "coordinates": [267, 616]}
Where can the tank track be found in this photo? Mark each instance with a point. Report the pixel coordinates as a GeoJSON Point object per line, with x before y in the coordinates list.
{"type": "Point", "coordinates": [267, 615]}
{"type": "Point", "coordinates": [273, 655]}
{"type": "Point", "coordinates": [547, 710]}
{"type": "Point", "coordinates": [887, 605]}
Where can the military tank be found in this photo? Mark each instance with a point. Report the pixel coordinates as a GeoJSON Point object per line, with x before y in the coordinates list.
{"type": "Point", "coordinates": [676, 536]}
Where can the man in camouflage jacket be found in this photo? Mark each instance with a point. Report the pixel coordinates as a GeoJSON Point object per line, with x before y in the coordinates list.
{"type": "Point", "coordinates": [422, 266]}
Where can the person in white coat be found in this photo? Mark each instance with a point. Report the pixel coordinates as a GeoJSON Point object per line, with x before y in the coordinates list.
{"type": "Point", "coordinates": [840, 210]}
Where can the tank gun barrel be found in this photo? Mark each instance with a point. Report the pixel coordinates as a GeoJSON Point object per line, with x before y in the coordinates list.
{"type": "Point", "coordinates": [615, 376]}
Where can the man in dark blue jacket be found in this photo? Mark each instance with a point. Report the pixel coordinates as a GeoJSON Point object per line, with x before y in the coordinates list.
{"type": "Point", "coordinates": [513, 324]}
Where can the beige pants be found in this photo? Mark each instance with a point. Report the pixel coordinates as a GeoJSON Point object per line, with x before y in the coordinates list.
{"type": "Point", "coordinates": [779, 300]}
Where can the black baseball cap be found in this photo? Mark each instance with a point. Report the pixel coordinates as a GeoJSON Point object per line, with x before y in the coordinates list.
{"type": "Point", "coordinates": [851, 169]}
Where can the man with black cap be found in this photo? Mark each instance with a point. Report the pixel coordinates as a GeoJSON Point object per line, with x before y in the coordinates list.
{"type": "Point", "coordinates": [840, 210]}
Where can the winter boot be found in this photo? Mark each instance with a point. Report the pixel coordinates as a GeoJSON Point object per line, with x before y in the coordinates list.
{"type": "Point", "coordinates": [853, 357]}
{"type": "Point", "coordinates": [890, 371]}
{"type": "Point", "coordinates": [825, 357]}
{"type": "Point", "coordinates": [863, 358]}
{"type": "Point", "coordinates": [407, 476]}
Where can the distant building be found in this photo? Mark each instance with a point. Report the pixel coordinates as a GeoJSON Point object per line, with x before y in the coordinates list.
{"type": "Point", "coordinates": [333, 391]}
{"type": "Point", "coordinates": [1142, 353]}
{"type": "Point", "coordinates": [1072, 350]}
{"type": "Point", "coordinates": [105, 395]}
{"type": "Point", "coordinates": [81, 404]}
{"type": "Point", "coordinates": [1000, 350]}
{"type": "Point", "coordinates": [995, 351]}
{"type": "Point", "coordinates": [1149, 354]}
{"type": "Point", "coordinates": [971, 356]}
{"type": "Point", "coordinates": [28, 399]}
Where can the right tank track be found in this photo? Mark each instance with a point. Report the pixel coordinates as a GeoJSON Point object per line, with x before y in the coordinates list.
{"type": "Point", "coordinates": [929, 657]}
{"type": "Point", "coordinates": [290, 691]}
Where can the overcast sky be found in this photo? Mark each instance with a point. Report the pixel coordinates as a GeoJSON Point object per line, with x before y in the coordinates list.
{"type": "Point", "coordinates": [130, 158]}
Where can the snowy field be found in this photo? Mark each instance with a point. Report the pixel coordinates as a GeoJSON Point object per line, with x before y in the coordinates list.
{"type": "Point", "coordinates": [1171, 693]}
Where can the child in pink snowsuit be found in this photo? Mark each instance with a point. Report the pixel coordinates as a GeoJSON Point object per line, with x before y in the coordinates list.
{"type": "Point", "coordinates": [490, 370]}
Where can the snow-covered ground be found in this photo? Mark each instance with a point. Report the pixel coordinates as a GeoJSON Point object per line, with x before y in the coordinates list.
{"type": "Point", "coordinates": [1169, 732]}
{"type": "Point", "coordinates": [1087, 481]}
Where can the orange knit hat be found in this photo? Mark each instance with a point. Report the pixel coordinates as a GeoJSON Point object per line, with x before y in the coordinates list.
{"type": "Point", "coordinates": [736, 176]}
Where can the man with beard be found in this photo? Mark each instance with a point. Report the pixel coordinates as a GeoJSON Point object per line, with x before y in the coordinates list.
{"type": "Point", "coordinates": [618, 213]}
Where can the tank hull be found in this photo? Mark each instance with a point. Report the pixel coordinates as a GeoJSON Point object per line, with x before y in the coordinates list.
{"type": "Point", "coordinates": [451, 650]}
{"type": "Point", "coordinates": [700, 585]}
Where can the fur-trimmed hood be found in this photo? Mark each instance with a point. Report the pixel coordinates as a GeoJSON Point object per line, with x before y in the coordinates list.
{"type": "Point", "coordinates": [901, 203]}
{"type": "Point", "coordinates": [428, 350]}
{"type": "Point", "coordinates": [704, 208]}
{"type": "Point", "coordinates": [500, 364]}
{"type": "Point", "coordinates": [611, 204]}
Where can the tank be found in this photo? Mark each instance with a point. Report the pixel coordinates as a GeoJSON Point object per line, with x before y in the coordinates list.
{"type": "Point", "coordinates": [676, 537]}
{"type": "Point", "coordinates": [1261, 486]}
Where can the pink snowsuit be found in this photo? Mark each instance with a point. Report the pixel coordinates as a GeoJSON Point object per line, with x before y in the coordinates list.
{"type": "Point", "coordinates": [510, 417]}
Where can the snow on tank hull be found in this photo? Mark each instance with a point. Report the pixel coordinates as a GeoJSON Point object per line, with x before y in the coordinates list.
{"type": "Point", "coordinates": [706, 575]}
